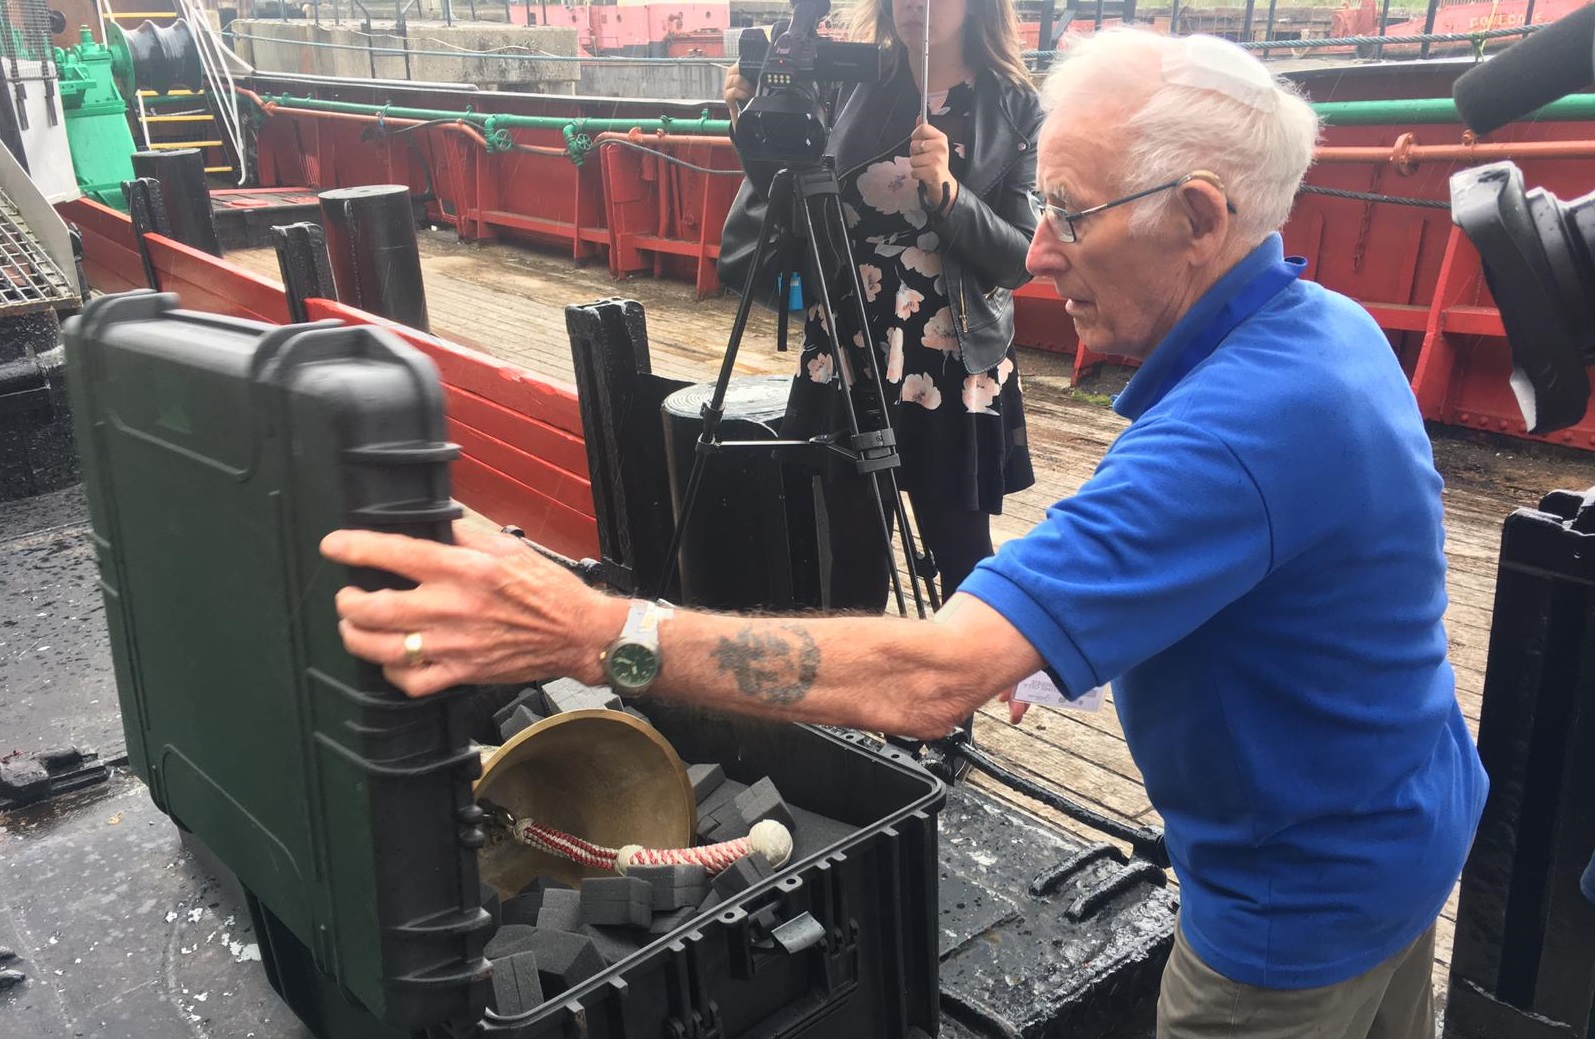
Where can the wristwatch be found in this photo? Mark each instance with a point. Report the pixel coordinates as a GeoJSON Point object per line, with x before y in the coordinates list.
{"type": "Point", "coordinates": [631, 662]}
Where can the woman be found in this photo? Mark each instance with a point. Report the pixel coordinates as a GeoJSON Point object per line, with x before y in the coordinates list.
{"type": "Point", "coordinates": [939, 221]}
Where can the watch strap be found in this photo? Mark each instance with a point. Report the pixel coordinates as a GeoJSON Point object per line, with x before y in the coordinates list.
{"type": "Point", "coordinates": [643, 620]}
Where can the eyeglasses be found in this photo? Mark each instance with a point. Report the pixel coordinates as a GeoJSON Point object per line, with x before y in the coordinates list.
{"type": "Point", "coordinates": [1062, 221]}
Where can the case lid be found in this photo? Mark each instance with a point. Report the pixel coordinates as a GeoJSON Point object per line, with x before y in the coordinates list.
{"type": "Point", "coordinates": [216, 454]}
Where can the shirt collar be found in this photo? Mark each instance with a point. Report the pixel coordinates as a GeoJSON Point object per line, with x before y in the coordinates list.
{"type": "Point", "coordinates": [1157, 374]}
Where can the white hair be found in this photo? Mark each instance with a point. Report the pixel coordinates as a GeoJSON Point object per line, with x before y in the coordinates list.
{"type": "Point", "coordinates": [1206, 105]}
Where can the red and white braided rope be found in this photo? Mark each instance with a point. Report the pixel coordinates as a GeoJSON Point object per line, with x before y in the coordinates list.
{"type": "Point", "coordinates": [769, 839]}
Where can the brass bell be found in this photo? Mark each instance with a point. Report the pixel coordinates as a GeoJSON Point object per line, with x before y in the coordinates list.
{"type": "Point", "coordinates": [599, 775]}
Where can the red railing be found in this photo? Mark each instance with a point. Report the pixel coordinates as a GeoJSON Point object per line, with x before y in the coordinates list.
{"type": "Point", "coordinates": [523, 459]}
{"type": "Point", "coordinates": [647, 215]}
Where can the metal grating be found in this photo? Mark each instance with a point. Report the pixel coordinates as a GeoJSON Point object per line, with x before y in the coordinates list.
{"type": "Point", "coordinates": [29, 280]}
{"type": "Point", "coordinates": [27, 56]}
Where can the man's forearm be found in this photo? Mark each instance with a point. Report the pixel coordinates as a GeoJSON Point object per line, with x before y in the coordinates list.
{"type": "Point", "coordinates": [885, 674]}
{"type": "Point", "coordinates": [487, 610]}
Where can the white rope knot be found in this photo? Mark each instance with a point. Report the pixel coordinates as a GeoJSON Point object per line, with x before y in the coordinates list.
{"type": "Point", "coordinates": [767, 838]}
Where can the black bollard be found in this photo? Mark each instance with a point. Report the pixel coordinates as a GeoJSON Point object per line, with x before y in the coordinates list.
{"type": "Point", "coordinates": [375, 261]}
{"type": "Point", "coordinates": [750, 541]}
{"type": "Point", "coordinates": [181, 175]}
{"type": "Point", "coordinates": [302, 259]}
{"type": "Point", "coordinates": [1523, 966]}
{"type": "Point", "coordinates": [147, 209]}
{"type": "Point", "coordinates": [620, 399]}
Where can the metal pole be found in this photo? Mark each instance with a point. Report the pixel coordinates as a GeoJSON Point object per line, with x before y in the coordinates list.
{"type": "Point", "coordinates": [1268, 32]}
{"type": "Point", "coordinates": [1384, 27]}
{"type": "Point", "coordinates": [1045, 41]}
{"type": "Point", "coordinates": [1174, 17]}
{"type": "Point", "coordinates": [1246, 25]}
{"type": "Point", "coordinates": [10, 132]}
{"type": "Point", "coordinates": [1428, 24]}
{"type": "Point", "coordinates": [1528, 14]}
{"type": "Point", "coordinates": [1099, 14]}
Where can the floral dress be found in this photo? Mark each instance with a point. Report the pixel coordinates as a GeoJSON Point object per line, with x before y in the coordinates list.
{"type": "Point", "coordinates": [961, 436]}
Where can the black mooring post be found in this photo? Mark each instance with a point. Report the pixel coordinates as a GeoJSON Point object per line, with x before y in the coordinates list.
{"type": "Point", "coordinates": [306, 271]}
{"type": "Point", "coordinates": [1523, 966]}
{"type": "Point", "coordinates": [376, 263]}
{"type": "Point", "coordinates": [181, 173]}
{"type": "Point", "coordinates": [620, 398]}
{"type": "Point", "coordinates": [148, 213]}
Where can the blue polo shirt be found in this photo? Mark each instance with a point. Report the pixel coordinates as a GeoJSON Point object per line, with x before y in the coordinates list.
{"type": "Point", "coordinates": [1257, 567]}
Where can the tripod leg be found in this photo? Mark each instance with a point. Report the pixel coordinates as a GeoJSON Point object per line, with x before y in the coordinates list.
{"type": "Point", "coordinates": [844, 370]}
{"type": "Point", "coordinates": [878, 377]}
{"type": "Point", "coordinates": [825, 190]}
{"type": "Point", "coordinates": [780, 202]}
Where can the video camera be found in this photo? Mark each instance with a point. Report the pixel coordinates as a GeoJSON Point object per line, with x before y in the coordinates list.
{"type": "Point", "coordinates": [1536, 249]}
{"type": "Point", "coordinates": [785, 124]}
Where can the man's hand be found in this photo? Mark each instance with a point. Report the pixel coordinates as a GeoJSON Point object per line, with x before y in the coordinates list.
{"type": "Point", "coordinates": [929, 155]}
{"type": "Point", "coordinates": [1016, 708]}
{"type": "Point", "coordinates": [737, 91]}
{"type": "Point", "coordinates": [486, 609]}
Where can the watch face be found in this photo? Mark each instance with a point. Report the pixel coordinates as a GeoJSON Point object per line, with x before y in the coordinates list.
{"type": "Point", "coordinates": [633, 665]}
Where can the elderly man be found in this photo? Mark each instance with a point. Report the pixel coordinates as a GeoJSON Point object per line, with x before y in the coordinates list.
{"type": "Point", "coordinates": [1256, 566]}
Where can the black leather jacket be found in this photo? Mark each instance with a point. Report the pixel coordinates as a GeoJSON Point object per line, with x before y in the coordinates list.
{"type": "Point", "coordinates": [984, 236]}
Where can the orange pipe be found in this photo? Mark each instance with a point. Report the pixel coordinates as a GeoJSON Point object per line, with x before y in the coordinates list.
{"type": "Point", "coordinates": [1406, 154]}
{"type": "Point", "coordinates": [459, 126]}
{"type": "Point", "coordinates": [637, 136]}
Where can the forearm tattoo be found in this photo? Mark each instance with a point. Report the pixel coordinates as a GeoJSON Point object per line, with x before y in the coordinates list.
{"type": "Point", "coordinates": [773, 664]}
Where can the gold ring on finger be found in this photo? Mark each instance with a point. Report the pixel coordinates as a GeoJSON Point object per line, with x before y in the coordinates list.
{"type": "Point", "coordinates": [413, 655]}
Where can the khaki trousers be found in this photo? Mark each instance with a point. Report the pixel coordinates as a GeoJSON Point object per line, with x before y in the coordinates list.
{"type": "Point", "coordinates": [1394, 1000]}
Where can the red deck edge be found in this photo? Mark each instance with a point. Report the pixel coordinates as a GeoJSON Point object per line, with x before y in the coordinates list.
{"type": "Point", "coordinates": [523, 459]}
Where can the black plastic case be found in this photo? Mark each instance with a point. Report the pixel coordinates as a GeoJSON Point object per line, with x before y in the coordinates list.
{"type": "Point", "coordinates": [216, 454]}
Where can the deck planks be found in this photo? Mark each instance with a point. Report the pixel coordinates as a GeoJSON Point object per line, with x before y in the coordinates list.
{"type": "Point", "coordinates": [510, 303]}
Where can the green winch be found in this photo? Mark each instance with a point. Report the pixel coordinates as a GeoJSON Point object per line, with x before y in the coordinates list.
{"type": "Point", "coordinates": [96, 119]}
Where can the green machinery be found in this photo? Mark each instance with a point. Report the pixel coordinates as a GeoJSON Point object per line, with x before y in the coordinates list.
{"type": "Point", "coordinates": [96, 118]}
{"type": "Point", "coordinates": [98, 81]}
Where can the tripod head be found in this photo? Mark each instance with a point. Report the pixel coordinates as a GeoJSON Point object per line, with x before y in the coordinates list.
{"type": "Point", "coordinates": [785, 124]}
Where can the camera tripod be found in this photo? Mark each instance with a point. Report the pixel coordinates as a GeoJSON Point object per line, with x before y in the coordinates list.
{"type": "Point", "coordinates": [805, 204]}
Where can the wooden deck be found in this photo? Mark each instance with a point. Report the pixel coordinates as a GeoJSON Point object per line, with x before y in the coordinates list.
{"type": "Point", "coordinates": [509, 302]}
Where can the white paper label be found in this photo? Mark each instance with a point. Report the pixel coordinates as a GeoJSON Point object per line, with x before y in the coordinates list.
{"type": "Point", "coordinates": [1040, 689]}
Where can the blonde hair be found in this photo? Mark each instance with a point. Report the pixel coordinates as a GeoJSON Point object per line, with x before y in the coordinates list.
{"type": "Point", "coordinates": [991, 35]}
